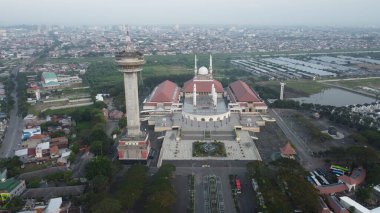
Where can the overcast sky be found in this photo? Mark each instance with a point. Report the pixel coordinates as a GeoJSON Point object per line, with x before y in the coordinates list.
{"type": "Point", "coordinates": [253, 12]}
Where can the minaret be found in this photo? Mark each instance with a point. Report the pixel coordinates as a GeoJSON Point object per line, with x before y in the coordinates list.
{"type": "Point", "coordinates": [210, 67]}
{"type": "Point", "coordinates": [195, 65]}
{"type": "Point", "coordinates": [195, 95]}
{"type": "Point", "coordinates": [130, 63]}
{"type": "Point", "coordinates": [214, 95]}
{"type": "Point", "coordinates": [282, 91]}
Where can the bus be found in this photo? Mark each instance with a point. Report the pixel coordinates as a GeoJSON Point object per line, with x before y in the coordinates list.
{"type": "Point", "coordinates": [340, 168]}
{"type": "Point", "coordinates": [337, 171]}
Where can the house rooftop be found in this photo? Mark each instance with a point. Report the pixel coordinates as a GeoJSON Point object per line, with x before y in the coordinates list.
{"type": "Point", "coordinates": [9, 184]}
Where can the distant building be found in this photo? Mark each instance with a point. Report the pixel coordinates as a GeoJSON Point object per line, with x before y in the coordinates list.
{"type": "Point", "coordinates": [9, 188]}
{"type": "Point", "coordinates": [48, 77]}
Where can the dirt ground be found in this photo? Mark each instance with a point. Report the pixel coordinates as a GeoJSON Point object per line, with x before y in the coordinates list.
{"type": "Point", "coordinates": [271, 139]}
{"type": "Point", "coordinates": [322, 124]}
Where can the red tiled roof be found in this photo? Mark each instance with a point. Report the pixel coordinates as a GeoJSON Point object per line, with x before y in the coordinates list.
{"type": "Point", "coordinates": [356, 178]}
{"type": "Point", "coordinates": [288, 150]}
{"type": "Point", "coordinates": [38, 136]}
{"type": "Point", "coordinates": [31, 152]}
{"type": "Point", "coordinates": [202, 86]}
{"type": "Point", "coordinates": [59, 139]}
{"type": "Point", "coordinates": [242, 92]}
{"type": "Point", "coordinates": [54, 150]}
{"type": "Point", "coordinates": [332, 188]}
{"type": "Point", "coordinates": [335, 205]}
{"type": "Point", "coordinates": [167, 91]}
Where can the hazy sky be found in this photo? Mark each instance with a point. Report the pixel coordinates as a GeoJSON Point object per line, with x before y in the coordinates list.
{"type": "Point", "coordinates": [255, 12]}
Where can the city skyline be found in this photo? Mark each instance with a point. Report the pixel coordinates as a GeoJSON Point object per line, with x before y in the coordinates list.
{"type": "Point", "coordinates": [242, 12]}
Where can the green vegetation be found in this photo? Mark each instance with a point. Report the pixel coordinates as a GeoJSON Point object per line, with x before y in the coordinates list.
{"type": "Point", "coordinates": [99, 166]}
{"type": "Point", "coordinates": [314, 131]}
{"type": "Point", "coordinates": [363, 194]}
{"type": "Point", "coordinates": [293, 88]}
{"type": "Point", "coordinates": [199, 151]}
{"type": "Point", "coordinates": [107, 205]}
{"type": "Point", "coordinates": [89, 127]}
{"type": "Point", "coordinates": [358, 156]}
{"type": "Point", "coordinates": [23, 106]}
{"type": "Point", "coordinates": [122, 123]}
{"type": "Point", "coordinates": [13, 166]}
{"type": "Point", "coordinates": [283, 186]}
{"type": "Point", "coordinates": [155, 193]}
{"type": "Point", "coordinates": [132, 186]}
{"type": "Point", "coordinates": [160, 191]}
{"type": "Point", "coordinates": [309, 87]}
{"type": "Point", "coordinates": [353, 84]}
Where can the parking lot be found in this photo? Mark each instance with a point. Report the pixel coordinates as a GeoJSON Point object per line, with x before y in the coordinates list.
{"type": "Point", "coordinates": [246, 199]}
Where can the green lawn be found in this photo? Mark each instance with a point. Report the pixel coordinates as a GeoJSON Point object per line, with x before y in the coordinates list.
{"type": "Point", "coordinates": [163, 70]}
{"type": "Point", "coordinates": [373, 83]}
{"type": "Point", "coordinates": [303, 86]}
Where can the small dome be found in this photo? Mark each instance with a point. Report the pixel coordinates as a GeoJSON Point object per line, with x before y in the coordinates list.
{"type": "Point", "coordinates": [203, 71]}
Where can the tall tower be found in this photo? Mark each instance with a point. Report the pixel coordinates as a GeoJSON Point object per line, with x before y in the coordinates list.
{"type": "Point", "coordinates": [282, 91]}
{"type": "Point", "coordinates": [130, 62]}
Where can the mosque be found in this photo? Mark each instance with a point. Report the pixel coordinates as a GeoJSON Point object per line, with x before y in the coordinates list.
{"type": "Point", "coordinates": [203, 110]}
{"type": "Point", "coordinates": [202, 121]}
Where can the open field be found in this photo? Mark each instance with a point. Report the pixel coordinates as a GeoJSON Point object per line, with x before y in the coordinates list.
{"type": "Point", "coordinates": [162, 70]}
{"type": "Point", "coordinates": [353, 84]}
{"type": "Point", "coordinates": [295, 88]}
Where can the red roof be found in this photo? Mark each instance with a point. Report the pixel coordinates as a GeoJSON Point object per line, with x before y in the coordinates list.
{"type": "Point", "coordinates": [38, 136]}
{"type": "Point", "coordinates": [356, 178]}
{"type": "Point", "coordinates": [54, 150]}
{"type": "Point", "coordinates": [242, 92]}
{"type": "Point", "coordinates": [167, 91]}
{"type": "Point", "coordinates": [288, 150]}
{"type": "Point", "coordinates": [202, 86]}
{"type": "Point", "coordinates": [31, 152]}
{"type": "Point", "coordinates": [335, 205]}
{"type": "Point", "coordinates": [332, 188]}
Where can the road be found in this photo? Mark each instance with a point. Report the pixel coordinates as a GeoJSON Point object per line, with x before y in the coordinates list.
{"type": "Point", "coordinates": [12, 137]}
{"type": "Point", "coordinates": [303, 151]}
{"type": "Point", "coordinates": [245, 200]}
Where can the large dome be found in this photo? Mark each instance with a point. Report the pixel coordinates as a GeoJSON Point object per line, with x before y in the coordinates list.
{"type": "Point", "coordinates": [203, 71]}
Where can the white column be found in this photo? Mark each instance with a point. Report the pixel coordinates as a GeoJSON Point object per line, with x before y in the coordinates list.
{"type": "Point", "coordinates": [38, 95]}
{"type": "Point", "coordinates": [132, 103]}
{"type": "Point", "coordinates": [195, 95]}
{"type": "Point", "coordinates": [214, 95]}
{"type": "Point", "coordinates": [282, 91]}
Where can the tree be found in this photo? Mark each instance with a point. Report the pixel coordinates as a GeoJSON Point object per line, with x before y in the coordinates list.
{"type": "Point", "coordinates": [122, 122]}
{"type": "Point", "coordinates": [99, 166]}
{"type": "Point", "coordinates": [161, 193]}
{"type": "Point", "coordinates": [96, 147]}
{"type": "Point", "coordinates": [107, 205]}
{"type": "Point", "coordinates": [99, 183]}
{"type": "Point", "coordinates": [363, 194]}
{"type": "Point", "coordinates": [133, 185]}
